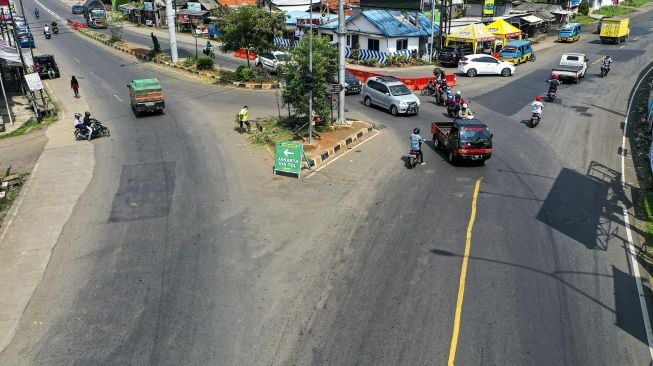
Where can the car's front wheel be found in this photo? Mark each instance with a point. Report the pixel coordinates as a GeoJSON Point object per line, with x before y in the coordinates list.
{"type": "Point", "coordinates": [471, 73]}
{"type": "Point", "coordinates": [368, 101]}
{"type": "Point", "coordinates": [505, 72]}
{"type": "Point", "coordinates": [393, 110]}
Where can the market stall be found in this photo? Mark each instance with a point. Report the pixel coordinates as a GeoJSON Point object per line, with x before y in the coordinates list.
{"type": "Point", "coordinates": [504, 31]}
{"type": "Point", "coordinates": [473, 35]}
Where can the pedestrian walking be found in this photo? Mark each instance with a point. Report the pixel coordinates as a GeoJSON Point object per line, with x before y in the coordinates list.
{"type": "Point", "coordinates": [243, 118]}
{"type": "Point", "coordinates": [74, 85]}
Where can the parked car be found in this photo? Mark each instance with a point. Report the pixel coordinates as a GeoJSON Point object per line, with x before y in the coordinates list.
{"type": "Point", "coordinates": [43, 63]}
{"type": "Point", "coordinates": [450, 55]}
{"type": "Point", "coordinates": [78, 9]}
{"type": "Point", "coordinates": [481, 64]}
{"type": "Point", "coordinates": [390, 93]}
{"type": "Point", "coordinates": [352, 84]}
{"type": "Point", "coordinates": [25, 40]}
{"type": "Point", "coordinates": [272, 60]}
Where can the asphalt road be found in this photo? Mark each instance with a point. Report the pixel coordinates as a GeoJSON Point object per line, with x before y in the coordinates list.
{"type": "Point", "coordinates": [185, 250]}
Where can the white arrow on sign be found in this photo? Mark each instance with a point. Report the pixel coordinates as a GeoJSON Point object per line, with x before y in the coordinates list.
{"type": "Point", "coordinates": [288, 152]}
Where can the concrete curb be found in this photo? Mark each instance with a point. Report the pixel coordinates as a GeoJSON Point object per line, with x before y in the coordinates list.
{"type": "Point", "coordinates": [147, 58]}
{"type": "Point", "coordinates": [321, 157]}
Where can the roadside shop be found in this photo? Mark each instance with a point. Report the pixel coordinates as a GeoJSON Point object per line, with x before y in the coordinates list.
{"type": "Point", "coordinates": [472, 35]}
{"type": "Point", "coordinates": [505, 33]}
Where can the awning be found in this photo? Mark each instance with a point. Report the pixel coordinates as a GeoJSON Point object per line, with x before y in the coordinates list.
{"type": "Point", "coordinates": [13, 58]}
{"type": "Point", "coordinates": [191, 13]}
{"type": "Point", "coordinates": [471, 33]}
{"type": "Point", "coordinates": [531, 19]}
{"type": "Point", "coordinates": [563, 12]}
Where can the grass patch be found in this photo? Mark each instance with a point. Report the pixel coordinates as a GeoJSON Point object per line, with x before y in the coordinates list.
{"type": "Point", "coordinates": [636, 3]}
{"type": "Point", "coordinates": [31, 125]}
{"type": "Point", "coordinates": [274, 129]}
{"type": "Point", "coordinates": [613, 11]}
{"type": "Point", "coordinates": [648, 229]}
{"type": "Point", "coordinates": [12, 195]}
{"type": "Point", "coordinates": [584, 19]}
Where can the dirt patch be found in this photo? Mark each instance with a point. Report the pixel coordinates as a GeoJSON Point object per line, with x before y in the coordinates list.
{"type": "Point", "coordinates": [328, 139]}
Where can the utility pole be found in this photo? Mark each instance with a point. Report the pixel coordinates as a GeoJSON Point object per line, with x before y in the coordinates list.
{"type": "Point", "coordinates": [310, 71]}
{"type": "Point", "coordinates": [22, 61]}
{"type": "Point", "coordinates": [342, 40]}
{"type": "Point", "coordinates": [170, 15]}
{"type": "Point", "coordinates": [432, 29]}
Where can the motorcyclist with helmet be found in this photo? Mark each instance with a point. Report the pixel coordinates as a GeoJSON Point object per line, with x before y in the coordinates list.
{"type": "Point", "coordinates": [37, 13]}
{"type": "Point", "coordinates": [536, 107]}
{"type": "Point", "coordinates": [607, 63]}
{"type": "Point", "coordinates": [416, 144]}
{"type": "Point", "coordinates": [208, 49]}
{"type": "Point", "coordinates": [456, 104]}
{"type": "Point", "coordinates": [81, 125]}
{"type": "Point", "coordinates": [554, 83]}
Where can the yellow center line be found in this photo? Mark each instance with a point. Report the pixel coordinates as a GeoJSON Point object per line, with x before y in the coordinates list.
{"type": "Point", "coordinates": [463, 277]}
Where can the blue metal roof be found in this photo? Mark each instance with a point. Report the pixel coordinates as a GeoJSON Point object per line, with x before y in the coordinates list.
{"type": "Point", "coordinates": [391, 23]}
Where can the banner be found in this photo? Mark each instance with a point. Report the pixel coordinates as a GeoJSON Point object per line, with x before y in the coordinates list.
{"type": "Point", "coordinates": [194, 7]}
{"type": "Point", "coordinates": [488, 8]}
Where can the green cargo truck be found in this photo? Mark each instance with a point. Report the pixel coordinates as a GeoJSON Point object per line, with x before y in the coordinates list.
{"type": "Point", "coordinates": [146, 96]}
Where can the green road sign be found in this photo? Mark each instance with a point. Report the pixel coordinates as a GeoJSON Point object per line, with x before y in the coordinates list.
{"type": "Point", "coordinates": [289, 157]}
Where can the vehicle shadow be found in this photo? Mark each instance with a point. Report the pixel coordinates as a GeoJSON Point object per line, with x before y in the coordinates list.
{"type": "Point", "coordinates": [527, 123]}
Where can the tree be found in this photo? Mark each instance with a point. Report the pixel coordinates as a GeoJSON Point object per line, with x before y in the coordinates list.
{"type": "Point", "coordinates": [325, 68]}
{"type": "Point", "coordinates": [250, 28]}
{"type": "Point", "coordinates": [156, 47]}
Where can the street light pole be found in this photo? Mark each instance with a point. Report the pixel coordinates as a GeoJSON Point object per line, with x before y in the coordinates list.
{"type": "Point", "coordinates": [432, 29]}
{"type": "Point", "coordinates": [310, 71]}
{"type": "Point", "coordinates": [342, 40]}
{"type": "Point", "coordinates": [170, 16]}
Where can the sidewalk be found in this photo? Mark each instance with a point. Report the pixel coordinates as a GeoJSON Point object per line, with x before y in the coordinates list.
{"type": "Point", "coordinates": [33, 224]}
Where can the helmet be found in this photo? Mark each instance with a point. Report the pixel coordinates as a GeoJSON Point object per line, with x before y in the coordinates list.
{"type": "Point", "coordinates": [77, 115]}
{"type": "Point", "coordinates": [538, 98]}
{"type": "Point", "coordinates": [87, 114]}
{"type": "Point", "coordinates": [245, 107]}
{"type": "Point", "coordinates": [556, 76]}
{"type": "Point", "coordinates": [458, 92]}
{"type": "Point", "coordinates": [416, 131]}
{"type": "Point", "coordinates": [607, 56]}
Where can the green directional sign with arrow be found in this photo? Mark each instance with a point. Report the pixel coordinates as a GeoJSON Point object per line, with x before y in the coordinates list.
{"type": "Point", "coordinates": [289, 157]}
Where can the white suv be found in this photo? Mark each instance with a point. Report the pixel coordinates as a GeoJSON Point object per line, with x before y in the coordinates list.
{"type": "Point", "coordinates": [481, 64]}
{"type": "Point", "coordinates": [272, 60]}
{"type": "Point", "coordinates": [390, 93]}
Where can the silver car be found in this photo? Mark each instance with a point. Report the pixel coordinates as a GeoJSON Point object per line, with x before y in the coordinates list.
{"type": "Point", "coordinates": [272, 60]}
{"type": "Point", "coordinates": [390, 93]}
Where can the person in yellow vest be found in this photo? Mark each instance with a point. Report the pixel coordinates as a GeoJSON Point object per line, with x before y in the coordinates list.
{"type": "Point", "coordinates": [243, 118]}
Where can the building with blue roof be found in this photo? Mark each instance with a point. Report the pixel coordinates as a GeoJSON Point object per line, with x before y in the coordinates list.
{"type": "Point", "coordinates": [385, 31]}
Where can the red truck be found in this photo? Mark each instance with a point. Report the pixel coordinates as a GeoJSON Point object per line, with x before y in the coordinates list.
{"type": "Point", "coordinates": [463, 139]}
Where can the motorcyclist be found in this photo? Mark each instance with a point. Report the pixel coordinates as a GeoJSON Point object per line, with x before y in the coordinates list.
{"type": "Point", "coordinates": [55, 27]}
{"type": "Point", "coordinates": [439, 74]}
{"type": "Point", "coordinates": [36, 12]}
{"type": "Point", "coordinates": [554, 83]}
{"type": "Point", "coordinates": [607, 62]}
{"type": "Point", "coordinates": [536, 106]}
{"type": "Point", "coordinates": [416, 144]}
{"type": "Point", "coordinates": [81, 125]}
{"type": "Point", "coordinates": [46, 29]}
{"type": "Point", "coordinates": [208, 49]}
{"type": "Point", "coordinates": [457, 103]}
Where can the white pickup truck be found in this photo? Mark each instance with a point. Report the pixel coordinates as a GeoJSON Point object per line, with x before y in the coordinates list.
{"type": "Point", "coordinates": [573, 66]}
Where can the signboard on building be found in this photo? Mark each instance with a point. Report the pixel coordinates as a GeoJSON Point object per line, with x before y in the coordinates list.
{"type": "Point", "coordinates": [307, 21]}
{"type": "Point", "coordinates": [392, 4]}
{"type": "Point", "coordinates": [194, 7]}
{"type": "Point", "coordinates": [488, 8]}
{"type": "Point", "coordinates": [34, 81]}
{"type": "Point", "coordinates": [147, 6]}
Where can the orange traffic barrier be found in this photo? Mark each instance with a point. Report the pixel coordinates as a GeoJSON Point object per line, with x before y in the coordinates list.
{"type": "Point", "coordinates": [242, 53]}
{"type": "Point", "coordinates": [411, 83]}
{"type": "Point", "coordinates": [76, 24]}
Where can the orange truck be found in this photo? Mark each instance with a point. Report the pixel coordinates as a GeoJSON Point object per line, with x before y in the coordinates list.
{"type": "Point", "coordinates": [146, 96]}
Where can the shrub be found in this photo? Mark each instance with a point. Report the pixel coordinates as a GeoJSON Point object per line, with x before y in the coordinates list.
{"type": "Point", "coordinates": [355, 53]}
{"type": "Point", "coordinates": [205, 63]}
{"type": "Point", "coordinates": [584, 7]}
{"type": "Point", "coordinates": [244, 73]}
{"type": "Point", "coordinates": [189, 62]}
{"type": "Point", "coordinates": [156, 47]}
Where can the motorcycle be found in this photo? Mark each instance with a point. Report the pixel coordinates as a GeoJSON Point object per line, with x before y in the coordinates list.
{"type": "Point", "coordinates": [208, 52]}
{"type": "Point", "coordinates": [55, 29]}
{"type": "Point", "coordinates": [535, 119]}
{"type": "Point", "coordinates": [551, 94]}
{"type": "Point", "coordinates": [37, 14]}
{"type": "Point", "coordinates": [98, 131]}
{"type": "Point", "coordinates": [413, 158]}
{"type": "Point", "coordinates": [428, 90]}
{"type": "Point", "coordinates": [604, 70]}
{"type": "Point", "coordinates": [47, 34]}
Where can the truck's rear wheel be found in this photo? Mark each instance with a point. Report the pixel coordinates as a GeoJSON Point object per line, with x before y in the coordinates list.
{"type": "Point", "coordinates": [436, 143]}
{"type": "Point", "coordinates": [450, 157]}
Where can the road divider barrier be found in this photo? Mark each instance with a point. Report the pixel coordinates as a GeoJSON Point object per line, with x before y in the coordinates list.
{"type": "Point", "coordinates": [242, 53]}
{"type": "Point", "coordinates": [411, 83]}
